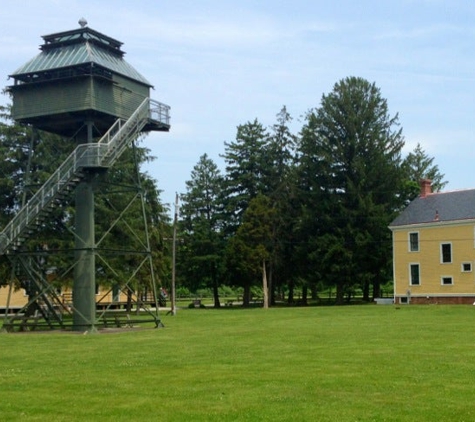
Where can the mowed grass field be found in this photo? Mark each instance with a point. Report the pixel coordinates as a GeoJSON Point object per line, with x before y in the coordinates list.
{"type": "Point", "coordinates": [354, 363]}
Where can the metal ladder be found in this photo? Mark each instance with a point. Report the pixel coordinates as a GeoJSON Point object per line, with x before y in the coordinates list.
{"type": "Point", "coordinates": [63, 181]}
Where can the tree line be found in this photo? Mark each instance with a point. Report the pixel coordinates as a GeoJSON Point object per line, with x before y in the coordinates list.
{"type": "Point", "coordinates": [306, 210]}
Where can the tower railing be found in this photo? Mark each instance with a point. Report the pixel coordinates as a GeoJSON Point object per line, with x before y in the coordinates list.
{"type": "Point", "coordinates": [159, 112]}
{"type": "Point", "coordinates": [104, 153]}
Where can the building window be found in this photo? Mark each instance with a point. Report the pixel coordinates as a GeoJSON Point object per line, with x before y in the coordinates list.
{"type": "Point", "coordinates": [466, 267]}
{"type": "Point", "coordinates": [414, 275]}
{"type": "Point", "coordinates": [115, 293]}
{"type": "Point", "coordinates": [414, 242]}
{"type": "Point", "coordinates": [447, 281]}
{"type": "Point", "coordinates": [446, 253]}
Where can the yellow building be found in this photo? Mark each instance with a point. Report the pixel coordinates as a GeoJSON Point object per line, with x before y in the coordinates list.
{"type": "Point", "coordinates": [434, 248]}
{"type": "Point", "coordinates": [105, 298]}
{"type": "Point", "coordinates": [18, 298]}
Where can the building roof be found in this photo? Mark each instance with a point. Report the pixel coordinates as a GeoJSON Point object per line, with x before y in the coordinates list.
{"type": "Point", "coordinates": [438, 207]}
{"type": "Point", "coordinates": [75, 48]}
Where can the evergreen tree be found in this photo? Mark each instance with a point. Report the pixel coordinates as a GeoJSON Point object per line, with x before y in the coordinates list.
{"type": "Point", "coordinates": [350, 169]}
{"type": "Point", "coordinates": [28, 158]}
{"type": "Point", "coordinates": [201, 227]}
{"type": "Point", "coordinates": [249, 250]}
{"type": "Point", "coordinates": [419, 165]}
{"type": "Point", "coordinates": [127, 208]}
{"type": "Point", "coordinates": [245, 163]}
{"type": "Point", "coordinates": [280, 188]}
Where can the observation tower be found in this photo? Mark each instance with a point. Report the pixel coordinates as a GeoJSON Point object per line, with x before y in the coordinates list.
{"type": "Point", "coordinates": [79, 87]}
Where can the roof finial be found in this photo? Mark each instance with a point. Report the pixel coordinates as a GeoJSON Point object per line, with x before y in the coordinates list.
{"type": "Point", "coordinates": [82, 22]}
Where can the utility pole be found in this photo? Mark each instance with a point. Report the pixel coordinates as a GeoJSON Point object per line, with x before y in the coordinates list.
{"type": "Point", "coordinates": [175, 220]}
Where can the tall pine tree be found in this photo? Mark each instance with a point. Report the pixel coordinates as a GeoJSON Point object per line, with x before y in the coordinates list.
{"type": "Point", "coordinates": [350, 163]}
{"type": "Point", "coordinates": [201, 227]}
{"type": "Point", "coordinates": [419, 165]}
{"type": "Point", "coordinates": [245, 160]}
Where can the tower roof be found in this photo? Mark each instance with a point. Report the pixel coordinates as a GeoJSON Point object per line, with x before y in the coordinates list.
{"type": "Point", "coordinates": [76, 48]}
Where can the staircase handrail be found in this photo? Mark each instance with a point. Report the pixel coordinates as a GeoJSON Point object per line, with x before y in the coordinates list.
{"type": "Point", "coordinates": [101, 154]}
{"type": "Point", "coordinates": [41, 199]}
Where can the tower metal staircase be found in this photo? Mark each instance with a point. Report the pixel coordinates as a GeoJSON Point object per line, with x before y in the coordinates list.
{"type": "Point", "coordinates": [63, 181]}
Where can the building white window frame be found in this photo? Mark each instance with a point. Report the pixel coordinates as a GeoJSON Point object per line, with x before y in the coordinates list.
{"type": "Point", "coordinates": [411, 278]}
{"type": "Point", "coordinates": [442, 244]}
{"type": "Point", "coordinates": [413, 246]}
{"type": "Point", "coordinates": [444, 278]}
{"type": "Point", "coordinates": [466, 267]}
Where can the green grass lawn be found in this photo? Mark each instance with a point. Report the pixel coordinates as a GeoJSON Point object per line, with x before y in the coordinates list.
{"type": "Point", "coordinates": [356, 363]}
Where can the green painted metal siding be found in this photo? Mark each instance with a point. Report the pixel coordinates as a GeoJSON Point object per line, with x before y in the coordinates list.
{"type": "Point", "coordinates": [47, 99]}
{"type": "Point", "coordinates": [128, 95]}
{"type": "Point", "coordinates": [119, 97]}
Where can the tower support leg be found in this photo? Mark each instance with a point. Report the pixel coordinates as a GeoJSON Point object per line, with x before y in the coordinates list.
{"type": "Point", "coordinates": [84, 285]}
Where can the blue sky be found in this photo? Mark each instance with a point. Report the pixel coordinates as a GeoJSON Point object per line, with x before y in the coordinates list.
{"type": "Point", "coordinates": [222, 63]}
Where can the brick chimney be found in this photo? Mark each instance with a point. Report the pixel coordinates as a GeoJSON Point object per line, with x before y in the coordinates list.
{"type": "Point", "coordinates": [426, 187]}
